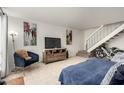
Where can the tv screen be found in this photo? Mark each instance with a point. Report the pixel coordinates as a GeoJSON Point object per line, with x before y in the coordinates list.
{"type": "Point", "coordinates": [52, 42]}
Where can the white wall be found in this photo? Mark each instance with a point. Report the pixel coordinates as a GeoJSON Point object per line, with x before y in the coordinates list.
{"type": "Point", "coordinates": [43, 30]}
{"type": "Point", "coordinates": [117, 42]}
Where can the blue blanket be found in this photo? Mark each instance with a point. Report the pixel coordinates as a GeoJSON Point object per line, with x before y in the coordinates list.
{"type": "Point", "coordinates": [90, 72]}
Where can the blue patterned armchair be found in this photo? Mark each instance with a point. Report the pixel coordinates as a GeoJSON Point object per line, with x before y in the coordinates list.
{"type": "Point", "coordinates": [20, 62]}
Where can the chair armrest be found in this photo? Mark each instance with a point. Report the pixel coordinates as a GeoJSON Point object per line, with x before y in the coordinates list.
{"type": "Point", "coordinates": [31, 54]}
{"type": "Point", "coordinates": [20, 62]}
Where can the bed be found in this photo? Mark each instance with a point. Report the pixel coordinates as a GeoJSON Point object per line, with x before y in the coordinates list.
{"type": "Point", "coordinates": [91, 72]}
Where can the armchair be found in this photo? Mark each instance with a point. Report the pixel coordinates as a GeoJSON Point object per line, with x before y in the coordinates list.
{"type": "Point", "coordinates": [20, 62]}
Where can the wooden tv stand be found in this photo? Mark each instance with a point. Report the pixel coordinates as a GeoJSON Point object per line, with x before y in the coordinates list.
{"type": "Point", "coordinates": [52, 55]}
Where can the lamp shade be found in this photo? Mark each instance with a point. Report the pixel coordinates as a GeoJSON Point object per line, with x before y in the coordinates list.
{"type": "Point", "coordinates": [13, 33]}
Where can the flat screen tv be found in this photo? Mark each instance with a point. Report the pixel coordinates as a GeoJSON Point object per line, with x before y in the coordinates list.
{"type": "Point", "coordinates": [51, 42]}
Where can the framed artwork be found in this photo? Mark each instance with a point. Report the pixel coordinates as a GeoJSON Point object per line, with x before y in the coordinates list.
{"type": "Point", "coordinates": [30, 34]}
{"type": "Point", "coordinates": [69, 37]}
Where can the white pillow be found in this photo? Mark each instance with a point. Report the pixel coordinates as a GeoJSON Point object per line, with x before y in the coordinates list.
{"type": "Point", "coordinates": [119, 57]}
{"type": "Point", "coordinates": [110, 73]}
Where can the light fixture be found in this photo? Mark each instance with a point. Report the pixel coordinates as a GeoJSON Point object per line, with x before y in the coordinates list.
{"type": "Point", "coordinates": [13, 34]}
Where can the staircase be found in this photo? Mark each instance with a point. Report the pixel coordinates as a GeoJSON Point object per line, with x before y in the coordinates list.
{"type": "Point", "coordinates": [103, 34]}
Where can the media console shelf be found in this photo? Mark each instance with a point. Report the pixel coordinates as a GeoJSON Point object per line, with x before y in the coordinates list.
{"type": "Point", "coordinates": [52, 55]}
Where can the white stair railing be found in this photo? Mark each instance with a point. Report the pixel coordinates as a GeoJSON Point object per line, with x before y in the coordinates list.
{"type": "Point", "coordinates": [101, 33]}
